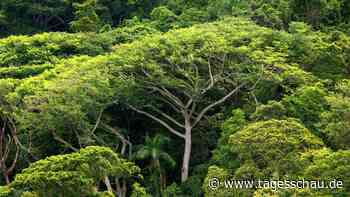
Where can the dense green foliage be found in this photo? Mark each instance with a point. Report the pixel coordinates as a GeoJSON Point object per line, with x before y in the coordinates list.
{"type": "Point", "coordinates": [156, 98]}
{"type": "Point", "coordinates": [73, 174]}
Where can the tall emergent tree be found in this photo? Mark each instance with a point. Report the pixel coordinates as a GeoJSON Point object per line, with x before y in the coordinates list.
{"type": "Point", "coordinates": [189, 77]}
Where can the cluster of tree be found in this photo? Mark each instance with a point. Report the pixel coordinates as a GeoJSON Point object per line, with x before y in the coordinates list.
{"type": "Point", "coordinates": [168, 100]}
{"type": "Point", "coordinates": [28, 17]}
{"type": "Point", "coordinates": [274, 143]}
{"type": "Point", "coordinates": [23, 16]}
{"type": "Point", "coordinates": [75, 174]}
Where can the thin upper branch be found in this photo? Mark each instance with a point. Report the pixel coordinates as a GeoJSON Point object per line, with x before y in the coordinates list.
{"type": "Point", "coordinates": [193, 109]}
{"type": "Point", "coordinates": [7, 148]}
{"type": "Point", "coordinates": [97, 121]}
{"type": "Point", "coordinates": [168, 117]}
{"type": "Point", "coordinates": [223, 99]}
{"type": "Point", "coordinates": [172, 130]}
{"type": "Point", "coordinates": [116, 132]}
{"type": "Point", "coordinates": [176, 99]}
{"type": "Point", "coordinates": [13, 129]}
{"type": "Point", "coordinates": [163, 91]}
{"type": "Point", "coordinates": [124, 141]}
{"type": "Point", "coordinates": [171, 105]}
{"type": "Point", "coordinates": [58, 138]}
{"type": "Point", "coordinates": [189, 103]}
{"type": "Point", "coordinates": [210, 74]}
{"type": "Point", "coordinates": [14, 161]}
{"type": "Point", "coordinates": [211, 81]}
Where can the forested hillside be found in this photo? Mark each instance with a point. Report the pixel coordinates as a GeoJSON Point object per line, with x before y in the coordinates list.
{"type": "Point", "coordinates": [165, 98]}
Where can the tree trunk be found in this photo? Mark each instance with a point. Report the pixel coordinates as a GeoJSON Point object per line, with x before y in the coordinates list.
{"type": "Point", "coordinates": [124, 189]}
{"type": "Point", "coordinates": [108, 184]}
{"type": "Point", "coordinates": [6, 177]}
{"type": "Point", "coordinates": [118, 188]}
{"type": "Point", "coordinates": [121, 187]}
{"type": "Point", "coordinates": [161, 181]}
{"type": "Point", "coordinates": [187, 153]}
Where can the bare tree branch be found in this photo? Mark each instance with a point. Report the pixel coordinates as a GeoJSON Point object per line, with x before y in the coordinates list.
{"type": "Point", "coordinates": [14, 135]}
{"type": "Point", "coordinates": [193, 109]}
{"type": "Point", "coordinates": [176, 99]}
{"type": "Point", "coordinates": [158, 120]}
{"type": "Point", "coordinates": [7, 147]}
{"type": "Point", "coordinates": [78, 138]}
{"type": "Point", "coordinates": [168, 117]}
{"type": "Point", "coordinates": [171, 105]}
{"type": "Point", "coordinates": [223, 99]}
{"type": "Point", "coordinates": [14, 161]}
{"type": "Point", "coordinates": [124, 141]}
{"type": "Point", "coordinates": [163, 91]}
{"type": "Point", "coordinates": [59, 139]}
{"type": "Point", "coordinates": [97, 121]}
{"type": "Point", "coordinates": [212, 79]}
{"type": "Point", "coordinates": [210, 74]}
{"type": "Point", "coordinates": [255, 99]}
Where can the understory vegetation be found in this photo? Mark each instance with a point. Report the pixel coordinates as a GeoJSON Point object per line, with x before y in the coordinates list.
{"type": "Point", "coordinates": [103, 98]}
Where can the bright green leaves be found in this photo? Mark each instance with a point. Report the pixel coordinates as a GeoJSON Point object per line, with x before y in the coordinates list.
{"type": "Point", "coordinates": [49, 47]}
{"type": "Point", "coordinates": [306, 104]}
{"type": "Point", "coordinates": [281, 149]}
{"type": "Point", "coordinates": [163, 17]}
{"type": "Point", "coordinates": [270, 16]}
{"type": "Point", "coordinates": [86, 19]}
{"type": "Point", "coordinates": [139, 191]}
{"type": "Point", "coordinates": [75, 174]}
{"type": "Point", "coordinates": [5, 191]}
{"type": "Point", "coordinates": [26, 56]}
{"type": "Point", "coordinates": [131, 33]}
{"type": "Point", "coordinates": [263, 150]}
{"type": "Point", "coordinates": [23, 71]}
{"type": "Point", "coordinates": [327, 165]}
{"type": "Point", "coordinates": [177, 61]}
{"type": "Point", "coordinates": [64, 102]}
{"type": "Point", "coordinates": [272, 110]}
{"type": "Point", "coordinates": [7, 86]}
{"type": "Point", "coordinates": [270, 147]}
{"type": "Point", "coordinates": [222, 155]}
{"type": "Point", "coordinates": [58, 101]}
{"type": "Point", "coordinates": [217, 173]}
{"type": "Point", "coordinates": [325, 55]}
{"type": "Point", "coordinates": [334, 122]}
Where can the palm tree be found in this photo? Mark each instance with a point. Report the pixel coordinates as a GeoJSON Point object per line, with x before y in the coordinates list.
{"type": "Point", "coordinates": [152, 149]}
